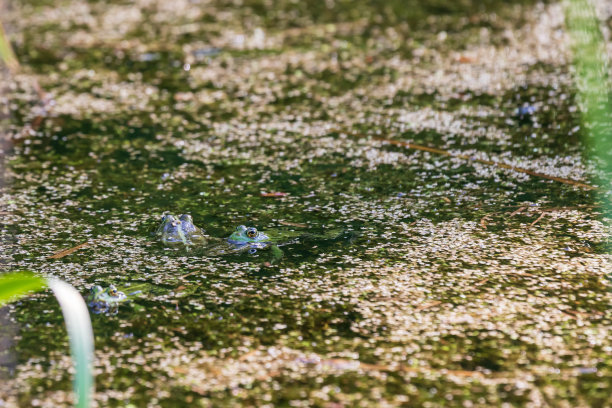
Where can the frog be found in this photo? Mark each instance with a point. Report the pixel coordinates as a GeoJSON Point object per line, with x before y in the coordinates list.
{"type": "Point", "coordinates": [105, 300]}
{"type": "Point", "coordinates": [248, 238]}
{"type": "Point", "coordinates": [181, 230]}
{"type": "Point", "coordinates": [243, 239]}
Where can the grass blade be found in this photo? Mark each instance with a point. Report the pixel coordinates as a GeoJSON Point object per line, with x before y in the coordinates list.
{"type": "Point", "coordinates": [590, 60]}
{"type": "Point", "coordinates": [6, 51]}
{"type": "Point", "coordinates": [593, 81]}
{"type": "Point", "coordinates": [80, 334]}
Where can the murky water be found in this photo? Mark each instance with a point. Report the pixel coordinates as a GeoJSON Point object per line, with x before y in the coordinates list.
{"type": "Point", "coordinates": [462, 284]}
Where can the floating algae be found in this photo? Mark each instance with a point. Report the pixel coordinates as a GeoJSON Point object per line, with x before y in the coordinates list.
{"type": "Point", "coordinates": [426, 307]}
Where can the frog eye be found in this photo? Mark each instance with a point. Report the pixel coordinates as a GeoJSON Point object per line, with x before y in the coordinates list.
{"type": "Point", "coordinates": [112, 290]}
{"type": "Point", "coordinates": [185, 217]}
{"type": "Point", "coordinates": [251, 232]}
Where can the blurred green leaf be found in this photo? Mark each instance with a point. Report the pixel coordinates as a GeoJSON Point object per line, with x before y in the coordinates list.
{"type": "Point", "coordinates": [80, 334]}
{"type": "Point", "coordinates": [6, 51]}
{"type": "Point", "coordinates": [590, 60]}
{"type": "Point", "coordinates": [17, 284]}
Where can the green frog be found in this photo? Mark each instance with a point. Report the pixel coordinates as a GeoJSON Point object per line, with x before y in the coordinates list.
{"type": "Point", "coordinates": [248, 238]}
{"type": "Point", "coordinates": [179, 230]}
{"type": "Point", "coordinates": [105, 300]}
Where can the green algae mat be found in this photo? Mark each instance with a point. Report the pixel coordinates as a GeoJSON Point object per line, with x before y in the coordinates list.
{"type": "Point", "coordinates": [469, 259]}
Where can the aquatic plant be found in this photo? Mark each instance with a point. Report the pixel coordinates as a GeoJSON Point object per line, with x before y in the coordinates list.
{"type": "Point", "coordinates": [591, 73]}
{"type": "Point", "coordinates": [18, 284]}
{"type": "Point", "coordinates": [591, 65]}
{"type": "Point", "coordinates": [6, 51]}
{"type": "Point", "coordinates": [8, 57]}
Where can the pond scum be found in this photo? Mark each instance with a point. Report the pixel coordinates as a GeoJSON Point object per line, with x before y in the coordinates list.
{"type": "Point", "coordinates": [465, 283]}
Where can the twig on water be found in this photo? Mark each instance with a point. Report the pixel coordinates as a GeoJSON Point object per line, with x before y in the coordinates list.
{"type": "Point", "coordinates": [530, 275]}
{"type": "Point", "coordinates": [428, 305]}
{"type": "Point", "coordinates": [274, 194]}
{"type": "Point", "coordinates": [66, 252]}
{"type": "Point", "coordinates": [517, 211]}
{"type": "Point", "coordinates": [247, 355]}
{"type": "Point", "coordinates": [340, 363]}
{"type": "Point", "coordinates": [293, 224]}
{"type": "Point", "coordinates": [483, 221]}
{"type": "Point", "coordinates": [483, 161]}
{"type": "Point", "coordinates": [190, 273]}
{"type": "Point", "coordinates": [582, 315]}
{"type": "Point", "coordinates": [538, 219]}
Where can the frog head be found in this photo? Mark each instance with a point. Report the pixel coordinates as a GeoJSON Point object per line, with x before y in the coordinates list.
{"type": "Point", "coordinates": [174, 230]}
{"type": "Point", "coordinates": [112, 291]}
{"type": "Point", "coordinates": [187, 224]}
{"type": "Point", "coordinates": [170, 230]}
{"type": "Point", "coordinates": [247, 235]}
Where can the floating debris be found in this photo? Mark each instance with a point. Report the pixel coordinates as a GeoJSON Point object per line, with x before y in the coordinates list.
{"type": "Point", "coordinates": [537, 219]}
{"type": "Point", "coordinates": [293, 224]}
{"type": "Point", "coordinates": [487, 162]}
{"type": "Point", "coordinates": [202, 53]}
{"type": "Point", "coordinates": [149, 56]}
{"type": "Point", "coordinates": [276, 194]}
{"type": "Point", "coordinates": [525, 112]}
{"type": "Point", "coordinates": [65, 252]}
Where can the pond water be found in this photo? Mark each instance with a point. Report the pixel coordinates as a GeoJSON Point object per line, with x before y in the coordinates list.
{"type": "Point", "coordinates": [459, 283]}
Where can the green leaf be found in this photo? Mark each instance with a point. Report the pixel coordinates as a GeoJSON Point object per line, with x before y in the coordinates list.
{"type": "Point", "coordinates": [17, 284]}
{"type": "Point", "coordinates": [81, 338]}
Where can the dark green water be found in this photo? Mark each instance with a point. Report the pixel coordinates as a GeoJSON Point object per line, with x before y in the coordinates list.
{"type": "Point", "coordinates": [448, 296]}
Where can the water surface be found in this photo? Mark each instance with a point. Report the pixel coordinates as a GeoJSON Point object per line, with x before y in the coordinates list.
{"type": "Point", "coordinates": [465, 285]}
